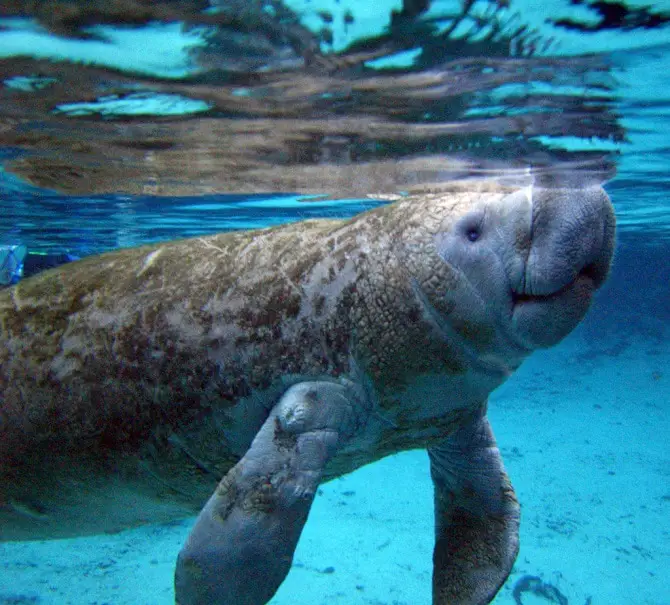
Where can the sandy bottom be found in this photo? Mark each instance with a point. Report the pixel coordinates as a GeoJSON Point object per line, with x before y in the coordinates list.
{"type": "Point", "coordinates": [584, 432]}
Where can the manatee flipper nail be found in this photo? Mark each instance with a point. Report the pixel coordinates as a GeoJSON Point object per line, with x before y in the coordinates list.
{"type": "Point", "coordinates": [476, 517]}
{"type": "Point", "coordinates": [242, 544]}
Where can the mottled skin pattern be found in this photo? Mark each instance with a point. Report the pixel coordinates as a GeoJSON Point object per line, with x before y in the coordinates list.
{"type": "Point", "coordinates": [132, 382]}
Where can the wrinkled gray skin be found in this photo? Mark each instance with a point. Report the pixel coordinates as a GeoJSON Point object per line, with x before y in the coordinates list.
{"type": "Point", "coordinates": [274, 360]}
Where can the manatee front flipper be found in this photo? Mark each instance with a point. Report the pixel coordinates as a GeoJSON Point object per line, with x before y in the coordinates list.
{"type": "Point", "coordinates": [476, 517]}
{"type": "Point", "coordinates": [242, 544]}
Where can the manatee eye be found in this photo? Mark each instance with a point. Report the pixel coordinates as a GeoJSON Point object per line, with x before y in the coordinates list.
{"type": "Point", "coordinates": [473, 233]}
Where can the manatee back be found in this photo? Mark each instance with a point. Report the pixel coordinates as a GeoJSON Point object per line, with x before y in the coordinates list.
{"type": "Point", "coordinates": [125, 364]}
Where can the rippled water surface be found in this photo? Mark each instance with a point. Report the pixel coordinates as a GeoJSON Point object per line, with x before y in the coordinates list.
{"type": "Point", "coordinates": [111, 110]}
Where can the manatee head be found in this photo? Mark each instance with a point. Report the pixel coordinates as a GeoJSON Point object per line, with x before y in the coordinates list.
{"type": "Point", "coordinates": [521, 266]}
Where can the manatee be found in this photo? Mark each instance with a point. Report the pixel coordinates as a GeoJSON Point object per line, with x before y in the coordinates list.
{"type": "Point", "coordinates": [232, 374]}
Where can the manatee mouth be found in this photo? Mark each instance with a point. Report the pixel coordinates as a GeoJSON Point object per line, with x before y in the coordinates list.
{"type": "Point", "coordinates": [589, 274]}
{"type": "Point", "coordinates": [543, 320]}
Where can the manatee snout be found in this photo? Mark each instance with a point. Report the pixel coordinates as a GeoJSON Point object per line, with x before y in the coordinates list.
{"type": "Point", "coordinates": [572, 234]}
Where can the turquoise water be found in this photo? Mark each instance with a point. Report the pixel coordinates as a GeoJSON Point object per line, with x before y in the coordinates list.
{"type": "Point", "coordinates": [171, 120]}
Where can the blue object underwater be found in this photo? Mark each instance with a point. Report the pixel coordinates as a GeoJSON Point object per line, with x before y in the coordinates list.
{"type": "Point", "coordinates": [16, 262]}
{"type": "Point", "coordinates": [11, 263]}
